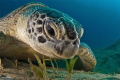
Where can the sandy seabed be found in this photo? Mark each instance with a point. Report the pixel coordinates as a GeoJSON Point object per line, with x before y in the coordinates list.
{"type": "Point", "coordinates": [24, 73]}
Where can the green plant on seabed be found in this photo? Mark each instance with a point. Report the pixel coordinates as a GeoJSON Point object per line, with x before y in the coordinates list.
{"type": "Point", "coordinates": [15, 63]}
{"type": "Point", "coordinates": [1, 66]}
{"type": "Point", "coordinates": [70, 66]}
{"type": "Point", "coordinates": [55, 70]}
{"type": "Point", "coordinates": [39, 72]}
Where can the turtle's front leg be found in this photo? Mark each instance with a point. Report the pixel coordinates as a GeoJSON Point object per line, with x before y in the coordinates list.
{"type": "Point", "coordinates": [86, 60]}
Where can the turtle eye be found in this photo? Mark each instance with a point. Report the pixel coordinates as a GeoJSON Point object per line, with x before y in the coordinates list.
{"type": "Point", "coordinates": [72, 35]}
{"type": "Point", "coordinates": [50, 30]}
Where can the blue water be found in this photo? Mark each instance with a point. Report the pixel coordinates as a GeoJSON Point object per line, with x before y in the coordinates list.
{"type": "Point", "coordinates": [100, 18]}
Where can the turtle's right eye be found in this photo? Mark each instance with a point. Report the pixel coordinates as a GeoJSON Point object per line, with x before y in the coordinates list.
{"type": "Point", "coordinates": [72, 35]}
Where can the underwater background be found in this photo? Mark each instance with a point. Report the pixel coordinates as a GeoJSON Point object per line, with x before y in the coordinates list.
{"type": "Point", "coordinates": [100, 18]}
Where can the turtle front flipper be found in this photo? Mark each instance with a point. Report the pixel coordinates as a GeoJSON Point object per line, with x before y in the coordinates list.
{"type": "Point", "coordinates": [86, 60]}
{"type": "Point", "coordinates": [13, 48]}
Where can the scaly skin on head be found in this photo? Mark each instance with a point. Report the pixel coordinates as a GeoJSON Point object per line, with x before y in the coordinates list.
{"type": "Point", "coordinates": [51, 33]}
{"type": "Point", "coordinates": [37, 28]}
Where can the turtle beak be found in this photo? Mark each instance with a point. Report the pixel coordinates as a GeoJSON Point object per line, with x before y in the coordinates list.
{"type": "Point", "coordinates": [66, 49]}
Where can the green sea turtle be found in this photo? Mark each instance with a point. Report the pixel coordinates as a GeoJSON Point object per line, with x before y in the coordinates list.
{"type": "Point", "coordinates": [35, 27]}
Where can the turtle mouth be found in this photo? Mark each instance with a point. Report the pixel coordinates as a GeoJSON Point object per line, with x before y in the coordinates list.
{"type": "Point", "coordinates": [66, 49]}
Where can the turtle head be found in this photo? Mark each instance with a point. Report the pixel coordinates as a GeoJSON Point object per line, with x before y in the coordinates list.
{"type": "Point", "coordinates": [54, 34]}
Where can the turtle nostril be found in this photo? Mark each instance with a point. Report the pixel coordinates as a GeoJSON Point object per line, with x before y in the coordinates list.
{"type": "Point", "coordinates": [75, 42]}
